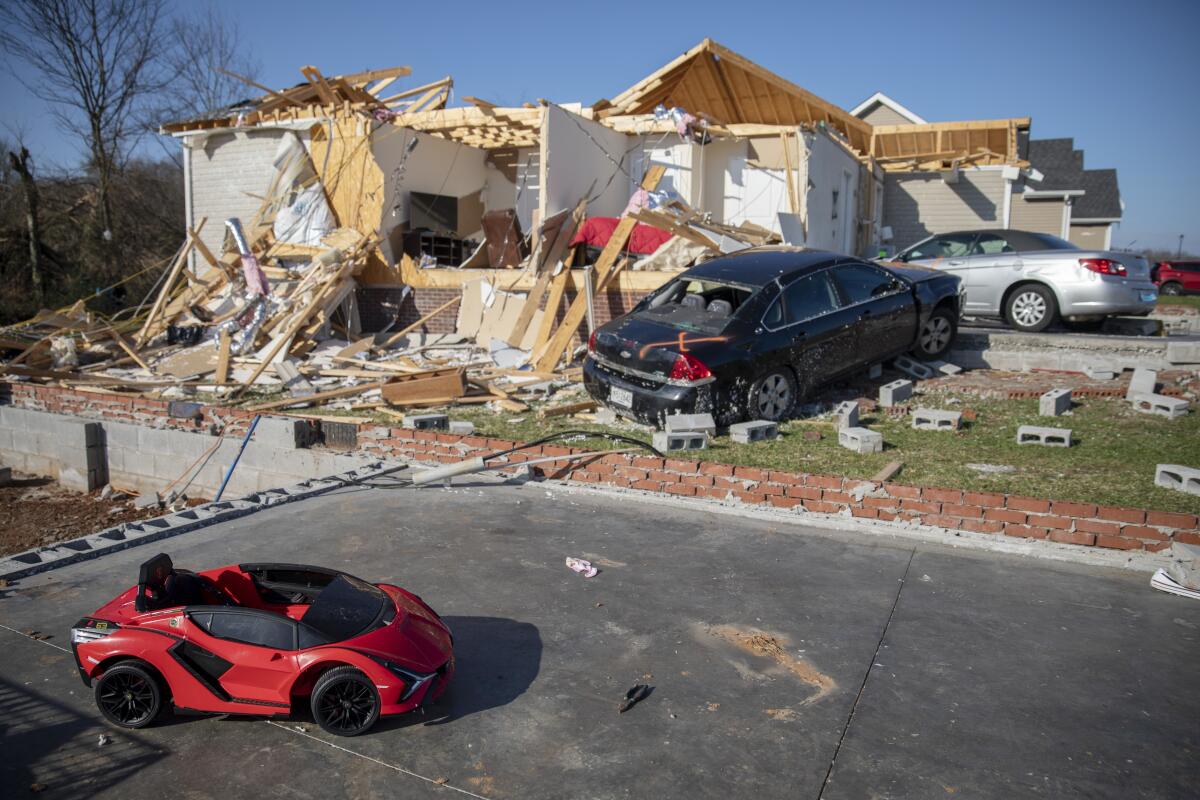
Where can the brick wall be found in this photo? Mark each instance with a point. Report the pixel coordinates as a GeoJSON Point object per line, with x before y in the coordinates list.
{"type": "Point", "coordinates": [1082, 524]}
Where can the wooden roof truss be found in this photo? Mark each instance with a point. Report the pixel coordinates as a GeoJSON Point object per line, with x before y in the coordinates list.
{"type": "Point", "coordinates": [484, 126]}
{"type": "Point", "coordinates": [947, 145]}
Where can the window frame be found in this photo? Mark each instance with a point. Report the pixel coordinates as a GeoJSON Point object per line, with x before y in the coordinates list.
{"type": "Point", "coordinates": [215, 611]}
{"type": "Point", "coordinates": [970, 237]}
{"type": "Point", "coordinates": [896, 279]}
{"type": "Point", "coordinates": [779, 298]}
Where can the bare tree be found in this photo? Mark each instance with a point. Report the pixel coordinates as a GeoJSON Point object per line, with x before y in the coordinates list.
{"type": "Point", "coordinates": [97, 63]}
{"type": "Point", "coordinates": [200, 47]}
{"type": "Point", "coordinates": [19, 161]}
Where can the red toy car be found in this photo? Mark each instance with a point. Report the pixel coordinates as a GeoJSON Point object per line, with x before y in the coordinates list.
{"type": "Point", "coordinates": [262, 639]}
{"type": "Point", "coordinates": [1177, 277]}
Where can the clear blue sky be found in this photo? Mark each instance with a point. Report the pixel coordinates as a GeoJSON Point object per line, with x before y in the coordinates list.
{"type": "Point", "coordinates": [1119, 77]}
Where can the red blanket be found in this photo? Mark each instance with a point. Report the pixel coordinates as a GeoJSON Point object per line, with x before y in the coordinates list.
{"type": "Point", "coordinates": [598, 230]}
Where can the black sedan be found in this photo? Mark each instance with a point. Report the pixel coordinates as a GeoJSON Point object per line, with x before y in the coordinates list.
{"type": "Point", "coordinates": [747, 335]}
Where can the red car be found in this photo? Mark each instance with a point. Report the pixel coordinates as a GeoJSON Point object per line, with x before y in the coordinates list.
{"type": "Point", "coordinates": [262, 639]}
{"type": "Point", "coordinates": [1176, 277]}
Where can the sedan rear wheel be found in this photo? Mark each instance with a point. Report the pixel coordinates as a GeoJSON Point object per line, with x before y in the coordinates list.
{"type": "Point", "coordinates": [1172, 288]}
{"type": "Point", "coordinates": [128, 695]}
{"type": "Point", "coordinates": [1031, 308]}
{"type": "Point", "coordinates": [772, 396]}
{"type": "Point", "coordinates": [345, 702]}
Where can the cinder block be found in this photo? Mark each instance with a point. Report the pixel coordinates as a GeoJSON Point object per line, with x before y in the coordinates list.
{"type": "Point", "coordinates": [1164, 406]}
{"type": "Point", "coordinates": [845, 415]}
{"type": "Point", "coordinates": [1055, 403]}
{"type": "Point", "coordinates": [5, 476]}
{"type": "Point", "coordinates": [424, 422]}
{"type": "Point", "coordinates": [462, 427]}
{"type": "Point", "coordinates": [280, 431]}
{"type": "Point", "coordinates": [1132, 326]}
{"type": "Point", "coordinates": [1144, 381]}
{"type": "Point", "coordinates": [861, 440]}
{"type": "Point", "coordinates": [929, 419]}
{"type": "Point", "coordinates": [1098, 374]}
{"type": "Point", "coordinates": [1178, 477]}
{"type": "Point", "coordinates": [759, 430]}
{"type": "Point", "coordinates": [894, 393]}
{"type": "Point", "coordinates": [690, 423]}
{"type": "Point", "coordinates": [945, 367]}
{"type": "Point", "coordinates": [668, 442]}
{"type": "Point", "coordinates": [913, 368]}
{"type": "Point", "coordinates": [1184, 568]}
{"type": "Point", "coordinates": [1050, 437]}
{"type": "Point", "coordinates": [1183, 352]}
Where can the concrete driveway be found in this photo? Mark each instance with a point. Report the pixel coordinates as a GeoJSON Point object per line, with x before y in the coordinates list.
{"type": "Point", "coordinates": [786, 662]}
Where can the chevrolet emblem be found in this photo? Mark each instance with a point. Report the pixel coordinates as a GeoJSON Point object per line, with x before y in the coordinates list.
{"type": "Point", "coordinates": [626, 354]}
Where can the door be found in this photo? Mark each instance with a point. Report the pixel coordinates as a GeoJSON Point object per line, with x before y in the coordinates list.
{"type": "Point", "coordinates": [816, 334]}
{"type": "Point", "coordinates": [885, 310]}
{"type": "Point", "coordinates": [993, 265]}
{"type": "Point", "coordinates": [259, 648]}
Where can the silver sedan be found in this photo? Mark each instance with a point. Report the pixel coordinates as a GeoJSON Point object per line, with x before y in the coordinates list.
{"type": "Point", "coordinates": [1033, 279]}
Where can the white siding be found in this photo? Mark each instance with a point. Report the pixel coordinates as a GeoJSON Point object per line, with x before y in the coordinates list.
{"type": "Point", "coordinates": [879, 114]}
{"type": "Point", "coordinates": [830, 169]}
{"type": "Point", "coordinates": [916, 205]}
{"type": "Point", "coordinates": [230, 173]}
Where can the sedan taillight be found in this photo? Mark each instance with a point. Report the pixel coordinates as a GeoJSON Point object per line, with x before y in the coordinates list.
{"type": "Point", "coordinates": [689, 368]}
{"type": "Point", "coordinates": [1104, 266]}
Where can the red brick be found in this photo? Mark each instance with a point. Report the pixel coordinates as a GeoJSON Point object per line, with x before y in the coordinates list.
{"type": "Point", "coordinates": [726, 484]}
{"type": "Point", "coordinates": [1028, 504]}
{"type": "Point", "coordinates": [660, 475]}
{"type": "Point", "coordinates": [698, 480]}
{"type": "Point", "coordinates": [1118, 543]}
{"type": "Point", "coordinates": [771, 489]}
{"type": "Point", "coordinates": [1062, 523]}
{"type": "Point", "coordinates": [648, 462]}
{"type": "Point", "coordinates": [713, 492]}
{"type": "Point", "coordinates": [921, 507]}
{"type": "Point", "coordinates": [973, 512]}
{"type": "Point", "coordinates": [649, 486]}
{"type": "Point", "coordinates": [1073, 509]}
{"type": "Point", "coordinates": [786, 478]}
{"type": "Point", "coordinates": [1169, 520]}
{"type": "Point", "coordinates": [836, 497]}
{"type": "Point", "coordinates": [804, 492]}
{"type": "Point", "coordinates": [880, 502]}
{"type": "Point", "coordinates": [821, 507]}
{"type": "Point", "coordinates": [1135, 515]}
{"type": "Point", "coordinates": [884, 514]}
{"type": "Point", "coordinates": [1139, 532]}
{"type": "Point", "coordinates": [942, 495]}
{"type": "Point", "coordinates": [941, 521]}
{"type": "Point", "coordinates": [685, 467]}
{"type": "Point", "coordinates": [680, 488]}
{"type": "Point", "coordinates": [722, 470]}
{"type": "Point", "coordinates": [633, 473]}
{"type": "Point", "coordinates": [784, 502]}
{"type": "Point", "coordinates": [1187, 537]}
{"type": "Point", "coordinates": [985, 499]}
{"type": "Point", "coordinates": [1156, 547]}
{"type": "Point", "coordinates": [823, 481]}
{"type": "Point", "coordinates": [865, 513]}
{"type": "Point", "coordinates": [750, 473]}
{"type": "Point", "coordinates": [750, 497]}
{"type": "Point", "coordinates": [1005, 515]}
{"type": "Point", "coordinates": [1095, 526]}
{"type": "Point", "coordinates": [1025, 531]}
{"type": "Point", "coordinates": [981, 525]}
{"type": "Point", "coordinates": [906, 492]}
{"type": "Point", "coordinates": [1067, 537]}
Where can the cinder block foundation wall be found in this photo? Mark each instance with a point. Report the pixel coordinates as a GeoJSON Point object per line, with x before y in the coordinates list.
{"type": "Point", "coordinates": [148, 454]}
{"type": "Point", "coordinates": [278, 462]}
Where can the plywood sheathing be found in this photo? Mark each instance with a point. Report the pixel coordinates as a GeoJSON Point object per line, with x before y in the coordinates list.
{"type": "Point", "coordinates": [487, 128]}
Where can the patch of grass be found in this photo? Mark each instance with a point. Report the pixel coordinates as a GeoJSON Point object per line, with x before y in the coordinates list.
{"type": "Point", "coordinates": [1111, 463]}
{"type": "Point", "coordinates": [1182, 300]}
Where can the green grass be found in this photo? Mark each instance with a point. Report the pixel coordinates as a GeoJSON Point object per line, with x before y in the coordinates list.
{"type": "Point", "coordinates": [1111, 463]}
{"type": "Point", "coordinates": [1183, 300]}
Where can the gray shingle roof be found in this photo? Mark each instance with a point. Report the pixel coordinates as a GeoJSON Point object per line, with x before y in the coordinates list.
{"type": "Point", "coordinates": [1062, 166]}
{"type": "Point", "coordinates": [1102, 198]}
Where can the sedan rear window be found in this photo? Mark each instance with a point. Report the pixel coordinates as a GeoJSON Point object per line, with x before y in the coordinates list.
{"type": "Point", "coordinates": [804, 298]}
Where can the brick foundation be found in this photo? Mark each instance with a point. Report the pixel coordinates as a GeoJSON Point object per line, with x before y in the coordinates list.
{"type": "Point", "coordinates": [1082, 524]}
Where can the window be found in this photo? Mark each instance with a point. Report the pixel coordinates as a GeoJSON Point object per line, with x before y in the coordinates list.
{"type": "Point", "coordinates": [940, 247]}
{"type": "Point", "coordinates": [808, 297]}
{"type": "Point", "coordinates": [860, 283]}
{"type": "Point", "coordinates": [835, 203]}
{"type": "Point", "coordinates": [260, 629]}
{"type": "Point", "coordinates": [989, 244]}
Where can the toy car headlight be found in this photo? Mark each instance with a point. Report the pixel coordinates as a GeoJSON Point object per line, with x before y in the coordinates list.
{"type": "Point", "coordinates": [412, 680]}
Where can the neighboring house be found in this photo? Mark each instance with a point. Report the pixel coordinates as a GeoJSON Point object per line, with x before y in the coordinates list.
{"type": "Point", "coordinates": [879, 109]}
{"type": "Point", "coordinates": [1075, 203]}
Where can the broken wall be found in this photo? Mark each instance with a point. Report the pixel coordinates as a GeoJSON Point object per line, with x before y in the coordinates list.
{"type": "Point", "coordinates": [832, 189]}
{"type": "Point", "coordinates": [919, 204]}
{"type": "Point", "coordinates": [577, 158]}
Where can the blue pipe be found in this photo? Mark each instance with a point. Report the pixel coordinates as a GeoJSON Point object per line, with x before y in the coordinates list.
{"type": "Point", "coordinates": [242, 449]}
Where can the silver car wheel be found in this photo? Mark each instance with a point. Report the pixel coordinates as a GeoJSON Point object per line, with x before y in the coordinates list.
{"type": "Point", "coordinates": [935, 335]}
{"type": "Point", "coordinates": [1028, 309]}
{"type": "Point", "coordinates": [773, 396]}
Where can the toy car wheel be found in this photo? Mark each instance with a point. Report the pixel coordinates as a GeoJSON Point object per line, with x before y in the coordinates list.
{"type": "Point", "coordinates": [1031, 308]}
{"type": "Point", "coordinates": [345, 702]}
{"type": "Point", "coordinates": [128, 696]}
{"type": "Point", "coordinates": [772, 396]}
{"type": "Point", "coordinates": [1172, 288]}
{"type": "Point", "coordinates": [936, 336]}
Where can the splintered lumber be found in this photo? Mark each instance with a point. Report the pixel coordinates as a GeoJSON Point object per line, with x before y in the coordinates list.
{"type": "Point", "coordinates": [223, 345]}
{"type": "Point", "coordinates": [608, 257]}
{"type": "Point", "coordinates": [568, 408]}
{"type": "Point", "coordinates": [124, 345]}
{"type": "Point", "coordinates": [345, 391]}
{"type": "Point", "coordinates": [550, 257]}
{"type": "Point", "coordinates": [674, 226]}
{"type": "Point", "coordinates": [447, 383]}
{"type": "Point", "coordinates": [168, 284]}
{"type": "Point", "coordinates": [395, 337]}
{"type": "Point", "coordinates": [552, 303]}
{"type": "Point", "coordinates": [889, 471]}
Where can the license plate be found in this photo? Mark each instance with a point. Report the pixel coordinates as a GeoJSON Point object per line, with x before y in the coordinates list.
{"type": "Point", "coordinates": [1149, 297]}
{"type": "Point", "coordinates": [621, 397]}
